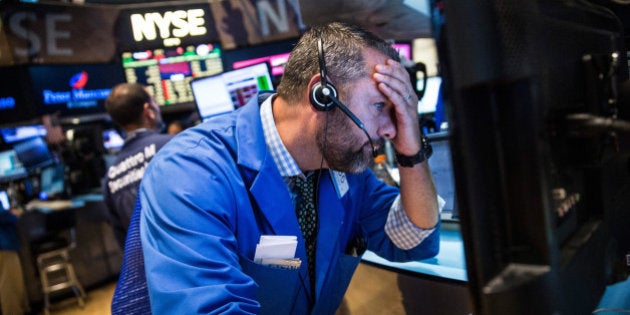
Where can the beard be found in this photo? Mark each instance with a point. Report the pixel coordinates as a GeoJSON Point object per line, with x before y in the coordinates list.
{"type": "Point", "coordinates": [339, 146]}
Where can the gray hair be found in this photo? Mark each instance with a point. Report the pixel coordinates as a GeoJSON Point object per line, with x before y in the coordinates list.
{"type": "Point", "coordinates": [343, 51]}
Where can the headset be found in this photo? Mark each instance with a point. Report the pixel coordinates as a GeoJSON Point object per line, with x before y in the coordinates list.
{"type": "Point", "coordinates": [323, 95]}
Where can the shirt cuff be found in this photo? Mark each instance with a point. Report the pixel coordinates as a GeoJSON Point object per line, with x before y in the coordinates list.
{"type": "Point", "coordinates": [401, 231]}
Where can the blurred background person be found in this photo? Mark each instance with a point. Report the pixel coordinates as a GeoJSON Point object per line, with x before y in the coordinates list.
{"type": "Point", "coordinates": [136, 112]}
{"type": "Point", "coordinates": [13, 298]}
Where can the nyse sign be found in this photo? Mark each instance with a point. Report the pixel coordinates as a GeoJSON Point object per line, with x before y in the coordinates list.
{"type": "Point", "coordinates": [57, 33]}
{"type": "Point", "coordinates": [65, 33]}
{"type": "Point", "coordinates": [171, 26]}
{"type": "Point", "coordinates": [161, 25]}
{"type": "Point", "coordinates": [57, 28]}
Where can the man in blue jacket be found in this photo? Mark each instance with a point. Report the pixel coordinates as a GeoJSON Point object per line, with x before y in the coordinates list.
{"type": "Point", "coordinates": [210, 194]}
{"type": "Point", "coordinates": [13, 297]}
{"type": "Point", "coordinates": [133, 109]}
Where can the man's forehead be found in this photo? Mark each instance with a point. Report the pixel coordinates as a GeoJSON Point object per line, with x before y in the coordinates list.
{"type": "Point", "coordinates": [373, 57]}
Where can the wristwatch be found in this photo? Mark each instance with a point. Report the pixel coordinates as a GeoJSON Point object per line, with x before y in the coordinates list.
{"type": "Point", "coordinates": [410, 160]}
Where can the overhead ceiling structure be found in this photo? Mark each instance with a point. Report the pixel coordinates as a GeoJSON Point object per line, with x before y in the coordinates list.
{"type": "Point", "coordinates": [390, 19]}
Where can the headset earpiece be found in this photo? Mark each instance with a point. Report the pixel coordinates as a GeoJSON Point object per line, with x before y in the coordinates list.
{"type": "Point", "coordinates": [319, 96]}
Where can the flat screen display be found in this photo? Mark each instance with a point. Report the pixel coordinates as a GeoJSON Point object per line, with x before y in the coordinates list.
{"type": "Point", "coordinates": [167, 72]}
{"type": "Point", "coordinates": [33, 153]}
{"type": "Point", "coordinates": [10, 166]}
{"type": "Point", "coordinates": [19, 133]}
{"type": "Point", "coordinates": [276, 55]}
{"type": "Point", "coordinates": [441, 165]}
{"type": "Point", "coordinates": [73, 90]}
{"type": "Point", "coordinates": [230, 90]}
{"type": "Point", "coordinates": [429, 101]}
{"type": "Point", "coordinates": [52, 181]}
{"type": "Point", "coordinates": [4, 201]}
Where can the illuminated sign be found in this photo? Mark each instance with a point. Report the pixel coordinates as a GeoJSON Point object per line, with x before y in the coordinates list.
{"type": "Point", "coordinates": [170, 26]}
{"type": "Point", "coordinates": [78, 97]}
{"type": "Point", "coordinates": [7, 102]}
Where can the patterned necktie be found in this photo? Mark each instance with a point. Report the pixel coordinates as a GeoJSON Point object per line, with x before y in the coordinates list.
{"type": "Point", "coordinates": [306, 212]}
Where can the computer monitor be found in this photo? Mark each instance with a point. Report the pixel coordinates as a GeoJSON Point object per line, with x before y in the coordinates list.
{"type": "Point", "coordinates": [5, 204]}
{"type": "Point", "coordinates": [230, 90]}
{"type": "Point", "coordinates": [244, 83]}
{"type": "Point", "coordinates": [52, 181]}
{"type": "Point", "coordinates": [10, 166]}
{"type": "Point", "coordinates": [33, 153]}
{"type": "Point", "coordinates": [20, 133]}
{"type": "Point", "coordinates": [167, 72]}
{"type": "Point", "coordinates": [441, 166]}
{"type": "Point", "coordinates": [533, 144]}
{"type": "Point", "coordinates": [277, 54]}
{"type": "Point", "coordinates": [429, 100]}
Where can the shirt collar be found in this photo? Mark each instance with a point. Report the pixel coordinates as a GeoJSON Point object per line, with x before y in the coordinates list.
{"type": "Point", "coordinates": [135, 133]}
{"type": "Point", "coordinates": [284, 161]}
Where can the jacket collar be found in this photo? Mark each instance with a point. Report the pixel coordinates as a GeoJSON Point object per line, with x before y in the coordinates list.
{"type": "Point", "coordinates": [264, 175]}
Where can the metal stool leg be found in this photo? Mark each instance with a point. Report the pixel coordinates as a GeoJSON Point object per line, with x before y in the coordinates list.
{"type": "Point", "coordinates": [76, 286]}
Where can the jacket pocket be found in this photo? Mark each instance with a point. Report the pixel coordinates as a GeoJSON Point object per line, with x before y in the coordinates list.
{"type": "Point", "coordinates": [277, 288]}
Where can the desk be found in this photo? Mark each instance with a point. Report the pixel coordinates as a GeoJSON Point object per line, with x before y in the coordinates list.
{"type": "Point", "coordinates": [449, 264]}
{"type": "Point", "coordinates": [96, 258]}
{"type": "Point", "coordinates": [431, 286]}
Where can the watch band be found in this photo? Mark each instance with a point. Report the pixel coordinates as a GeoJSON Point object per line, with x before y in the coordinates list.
{"type": "Point", "coordinates": [423, 154]}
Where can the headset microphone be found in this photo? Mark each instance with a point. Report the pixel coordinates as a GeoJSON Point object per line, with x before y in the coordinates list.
{"type": "Point", "coordinates": [354, 118]}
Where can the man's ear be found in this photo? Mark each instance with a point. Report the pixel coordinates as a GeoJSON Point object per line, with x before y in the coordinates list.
{"type": "Point", "coordinates": [149, 112]}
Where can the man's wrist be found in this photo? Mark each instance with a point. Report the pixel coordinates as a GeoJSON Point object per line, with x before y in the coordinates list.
{"type": "Point", "coordinates": [422, 155]}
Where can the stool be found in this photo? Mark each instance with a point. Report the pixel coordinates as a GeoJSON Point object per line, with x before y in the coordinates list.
{"type": "Point", "coordinates": [56, 273]}
{"type": "Point", "coordinates": [52, 254]}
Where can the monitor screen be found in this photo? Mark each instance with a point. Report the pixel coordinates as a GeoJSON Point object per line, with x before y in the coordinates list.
{"type": "Point", "coordinates": [4, 201]}
{"type": "Point", "coordinates": [112, 140]}
{"type": "Point", "coordinates": [73, 90]}
{"type": "Point", "coordinates": [10, 166]}
{"type": "Point", "coordinates": [33, 153]}
{"type": "Point", "coordinates": [429, 101]}
{"type": "Point", "coordinates": [441, 166]}
{"type": "Point", "coordinates": [211, 97]}
{"type": "Point", "coordinates": [167, 72]}
{"type": "Point", "coordinates": [230, 90]}
{"type": "Point", "coordinates": [20, 133]}
{"type": "Point", "coordinates": [244, 83]}
{"type": "Point", "coordinates": [52, 181]}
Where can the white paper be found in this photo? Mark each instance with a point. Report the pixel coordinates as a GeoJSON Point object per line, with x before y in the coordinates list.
{"type": "Point", "coordinates": [275, 246]}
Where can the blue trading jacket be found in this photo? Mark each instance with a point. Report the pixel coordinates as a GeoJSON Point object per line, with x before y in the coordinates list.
{"type": "Point", "coordinates": [209, 195]}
